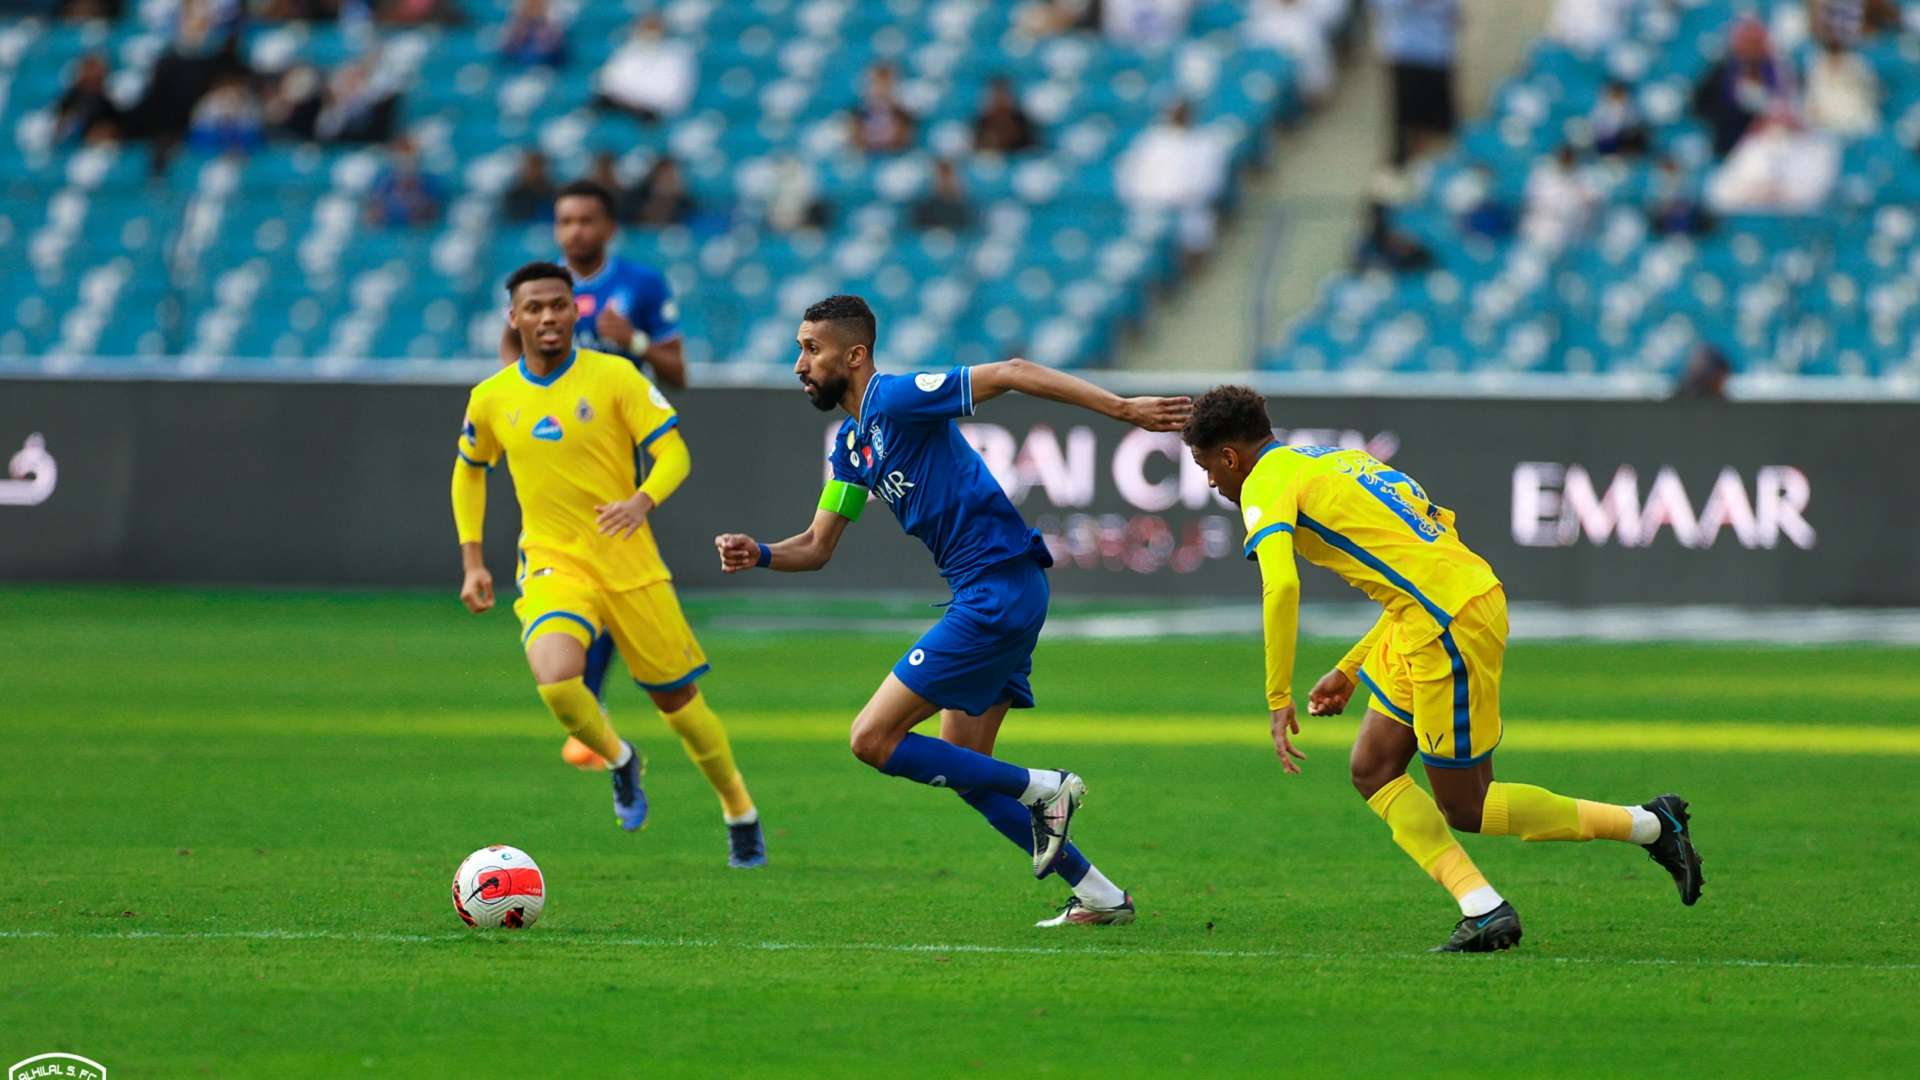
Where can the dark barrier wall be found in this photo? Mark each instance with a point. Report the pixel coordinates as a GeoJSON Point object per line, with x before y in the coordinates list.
{"type": "Point", "coordinates": [1579, 502]}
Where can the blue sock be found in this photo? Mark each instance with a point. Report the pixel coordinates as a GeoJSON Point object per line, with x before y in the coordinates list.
{"type": "Point", "coordinates": [940, 763]}
{"type": "Point", "coordinates": [1005, 813]}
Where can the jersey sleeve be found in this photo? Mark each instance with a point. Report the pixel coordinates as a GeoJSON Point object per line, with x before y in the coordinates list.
{"type": "Point", "coordinates": [843, 459]}
{"type": "Point", "coordinates": [645, 410]}
{"type": "Point", "coordinates": [1270, 507]}
{"type": "Point", "coordinates": [655, 312]}
{"type": "Point", "coordinates": [1279, 615]}
{"type": "Point", "coordinates": [925, 398]}
{"type": "Point", "coordinates": [476, 444]}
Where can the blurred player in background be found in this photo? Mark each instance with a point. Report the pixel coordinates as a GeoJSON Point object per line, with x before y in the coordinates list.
{"type": "Point", "coordinates": [900, 443]}
{"type": "Point", "coordinates": [1432, 661]}
{"type": "Point", "coordinates": [572, 421]}
{"type": "Point", "coordinates": [626, 307]}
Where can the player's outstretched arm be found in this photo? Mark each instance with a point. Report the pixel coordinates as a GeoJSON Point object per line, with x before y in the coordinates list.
{"type": "Point", "coordinates": [809, 550]}
{"type": "Point", "coordinates": [1037, 380]}
{"type": "Point", "coordinates": [1280, 619]}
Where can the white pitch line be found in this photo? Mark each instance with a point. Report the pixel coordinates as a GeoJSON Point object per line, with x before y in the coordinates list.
{"type": "Point", "coordinates": [382, 938]}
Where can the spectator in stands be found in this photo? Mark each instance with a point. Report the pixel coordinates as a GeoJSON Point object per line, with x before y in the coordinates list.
{"type": "Point", "coordinates": [1587, 26]}
{"type": "Point", "coordinates": [1148, 25]}
{"type": "Point", "coordinates": [946, 206]}
{"type": "Point", "coordinates": [662, 198]}
{"type": "Point", "coordinates": [1743, 86]}
{"type": "Point", "coordinates": [1851, 21]}
{"type": "Point", "coordinates": [1843, 94]}
{"type": "Point", "coordinates": [293, 102]}
{"type": "Point", "coordinates": [1561, 201]}
{"type": "Point", "coordinates": [1045, 18]}
{"type": "Point", "coordinates": [793, 197]}
{"type": "Point", "coordinates": [1294, 29]}
{"type": "Point", "coordinates": [1481, 211]}
{"type": "Point", "coordinates": [1615, 123]}
{"type": "Point", "coordinates": [1777, 167]}
{"type": "Point", "coordinates": [300, 10]}
{"type": "Point", "coordinates": [1175, 168]}
{"type": "Point", "coordinates": [530, 197]}
{"type": "Point", "coordinates": [650, 75]}
{"type": "Point", "coordinates": [1706, 376]}
{"type": "Point", "coordinates": [227, 120]}
{"type": "Point", "coordinates": [419, 13]}
{"type": "Point", "coordinates": [1417, 38]}
{"type": "Point", "coordinates": [533, 36]}
{"type": "Point", "coordinates": [879, 124]}
{"type": "Point", "coordinates": [91, 9]}
{"type": "Point", "coordinates": [1002, 126]}
{"type": "Point", "coordinates": [404, 195]}
{"type": "Point", "coordinates": [605, 172]}
{"type": "Point", "coordinates": [1673, 207]}
{"type": "Point", "coordinates": [1383, 247]}
{"type": "Point", "coordinates": [357, 106]}
{"type": "Point", "coordinates": [85, 112]}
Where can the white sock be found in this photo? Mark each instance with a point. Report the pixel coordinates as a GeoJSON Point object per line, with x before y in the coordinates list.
{"type": "Point", "coordinates": [626, 754]}
{"type": "Point", "coordinates": [1095, 890]}
{"type": "Point", "coordinates": [1041, 784]}
{"type": "Point", "coordinates": [1479, 902]}
{"type": "Point", "coordinates": [1646, 825]}
{"type": "Point", "coordinates": [747, 818]}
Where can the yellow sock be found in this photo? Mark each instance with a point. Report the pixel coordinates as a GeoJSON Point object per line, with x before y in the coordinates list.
{"type": "Point", "coordinates": [579, 710]}
{"type": "Point", "coordinates": [1422, 833]}
{"type": "Point", "coordinates": [1534, 813]}
{"type": "Point", "coordinates": [706, 742]}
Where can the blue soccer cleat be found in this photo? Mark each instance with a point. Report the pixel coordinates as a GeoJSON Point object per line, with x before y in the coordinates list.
{"type": "Point", "coordinates": [629, 799]}
{"type": "Point", "coordinates": [746, 847]}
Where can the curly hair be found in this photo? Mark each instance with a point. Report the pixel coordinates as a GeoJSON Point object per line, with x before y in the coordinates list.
{"type": "Point", "coordinates": [1227, 414]}
{"type": "Point", "coordinates": [843, 308]}
{"type": "Point", "coordinates": [536, 271]}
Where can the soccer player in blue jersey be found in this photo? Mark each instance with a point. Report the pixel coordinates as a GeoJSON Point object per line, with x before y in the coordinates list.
{"type": "Point", "coordinates": [626, 307]}
{"type": "Point", "coordinates": [899, 442]}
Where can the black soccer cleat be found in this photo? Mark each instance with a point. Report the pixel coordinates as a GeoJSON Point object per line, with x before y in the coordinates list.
{"type": "Point", "coordinates": [1674, 849]}
{"type": "Point", "coordinates": [629, 798]}
{"type": "Point", "coordinates": [1496, 930]}
{"type": "Point", "coordinates": [746, 846]}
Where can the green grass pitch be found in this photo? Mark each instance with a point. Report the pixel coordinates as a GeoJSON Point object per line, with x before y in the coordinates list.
{"type": "Point", "coordinates": [231, 819]}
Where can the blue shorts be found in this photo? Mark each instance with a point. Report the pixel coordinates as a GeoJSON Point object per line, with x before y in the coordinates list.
{"type": "Point", "coordinates": [981, 652]}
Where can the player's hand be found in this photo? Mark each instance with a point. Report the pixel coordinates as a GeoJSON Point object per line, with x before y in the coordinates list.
{"type": "Point", "coordinates": [1330, 695]}
{"type": "Point", "coordinates": [477, 590]}
{"type": "Point", "coordinates": [738, 552]}
{"type": "Point", "coordinates": [1158, 413]}
{"type": "Point", "coordinates": [622, 519]}
{"type": "Point", "coordinates": [1283, 748]}
{"type": "Point", "coordinates": [613, 327]}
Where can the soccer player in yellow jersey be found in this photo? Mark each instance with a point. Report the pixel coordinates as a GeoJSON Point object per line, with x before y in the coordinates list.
{"type": "Point", "coordinates": [572, 423]}
{"type": "Point", "coordinates": [1432, 662]}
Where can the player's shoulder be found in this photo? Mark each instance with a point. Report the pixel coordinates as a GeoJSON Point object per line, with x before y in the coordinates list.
{"type": "Point", "coordinates": [498, 383]}
{"type": "Point", "coordinates": [888, 389]}
{"type": "Point", "coordinates": [635, 272]}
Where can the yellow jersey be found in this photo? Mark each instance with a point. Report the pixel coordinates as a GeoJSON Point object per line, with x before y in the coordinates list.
{"type": "Point", "coordinates": [1372, 525]}
{"type": "Point", "coordinates": [572, 440]}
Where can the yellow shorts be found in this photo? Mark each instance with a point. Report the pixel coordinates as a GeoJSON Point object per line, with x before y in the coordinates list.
{"type": "Point", "coordinates": [1447, 689]}
{"type": "Point", "coordinates": [645, 624]}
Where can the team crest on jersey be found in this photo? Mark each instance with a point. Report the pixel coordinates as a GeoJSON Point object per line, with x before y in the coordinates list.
{"type": "Point", "coordinates": [583, 410]}
{"type": "Point", "coordinates": [548, 429]}
{"type": "Point", "coordinates": [878, 440]}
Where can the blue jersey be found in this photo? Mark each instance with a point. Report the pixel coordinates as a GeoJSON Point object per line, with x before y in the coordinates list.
{"type": "Point", "coordinates": [905, 449]}
{"type": "Point", "coordinates": [633, 289]}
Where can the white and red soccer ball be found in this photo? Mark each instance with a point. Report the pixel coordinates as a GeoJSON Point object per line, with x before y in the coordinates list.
{"type": "Point", "coordinates": [499, 886]}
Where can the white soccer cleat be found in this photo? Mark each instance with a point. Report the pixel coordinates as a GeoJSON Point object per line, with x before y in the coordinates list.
{"type": "Point", "coordinates": [1051, 816]}
{"type": "Point", "coordinates": [1075, 912]}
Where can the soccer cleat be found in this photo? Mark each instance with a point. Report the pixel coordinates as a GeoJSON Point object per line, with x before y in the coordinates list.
{"type": "Point", "coordinates": [1674, 848]}
{"type": "Point", "coordinates": [1077, 913]}
{"type": "Point", "coordinates": [581, 756]}
{"type": "Point", "coordinates": [746, 846]}
{"type": "Point", "coordinates": [1496, 930]}
{"type": "Point", "coordinates": [1051, 817]}
{"type": "Point", "coordinates": [629, 799]}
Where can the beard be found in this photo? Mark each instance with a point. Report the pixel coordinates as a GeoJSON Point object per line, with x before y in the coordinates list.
{"type": "Point", "coordinates": [826, 395]}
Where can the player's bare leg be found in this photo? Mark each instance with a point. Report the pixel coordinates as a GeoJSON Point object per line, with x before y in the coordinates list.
{"type": "Point", "coordinates": [883, 737]}
{"type": "Point", "coordinates": [1096, 901]}
{"type": "Point", "coordinates": [559, 663]}
{"type": "Point", "coordinates": [1474, 801]}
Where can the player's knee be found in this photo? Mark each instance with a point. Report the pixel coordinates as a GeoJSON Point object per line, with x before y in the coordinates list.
{"type": "Point", "coordinates": [1369, 776]}
{"type": "Point", "coordinates": [1463, 812]}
